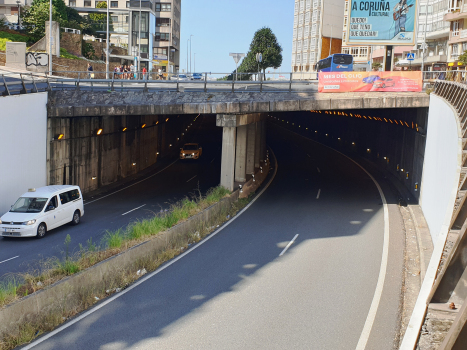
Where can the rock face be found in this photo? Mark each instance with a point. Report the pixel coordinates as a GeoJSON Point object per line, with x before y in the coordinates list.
{"type": "Point", "coordinates": [437, 324]}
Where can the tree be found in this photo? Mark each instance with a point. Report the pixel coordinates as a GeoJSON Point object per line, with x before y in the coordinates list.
{"type": "Point", "coordinates": [264, 42]}
{"type": "Point", "coordinates": [99, 20]}
{"type": "Point", "coordinates": [35, 16]}
{"type": "Point", "coordinates": [463, 58]}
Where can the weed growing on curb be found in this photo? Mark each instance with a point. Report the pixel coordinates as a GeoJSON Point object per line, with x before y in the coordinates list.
{"type": "Point", "coordinates": [52, 270]}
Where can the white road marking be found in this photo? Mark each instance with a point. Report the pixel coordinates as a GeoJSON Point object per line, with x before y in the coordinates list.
{"type": "Point", "coordinates": [319, 192]}
{"type": "Point", "coordinates": [133, 209]}
{"type": "Point", "coordinates": [192, 178]}
{"type": "Point", "coordinates": [152, 274]}
{"type": "Point", "coordinates": [318, 170]}
{"type": "Point", "coordinates": [110, 194]}
{"type": "Point", "coordinates": [1, 262]}
{"type": "Point", "coordinates": [288, 245]}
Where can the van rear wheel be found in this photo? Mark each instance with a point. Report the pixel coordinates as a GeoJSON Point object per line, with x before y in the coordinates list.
{"type": "Point", "coordinates": [76, 218]}
{"type": "Point", "coordinates": [41, 230]}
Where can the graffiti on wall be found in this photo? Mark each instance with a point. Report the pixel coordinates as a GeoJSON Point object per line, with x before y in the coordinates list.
{"type": "Point", "coordinates": [37, 59]}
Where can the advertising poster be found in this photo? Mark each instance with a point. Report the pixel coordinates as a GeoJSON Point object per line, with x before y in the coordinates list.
{"type": "Point", "coordinates": [382, 22]}
{"type": "Point", "coordinates": [370, 81]}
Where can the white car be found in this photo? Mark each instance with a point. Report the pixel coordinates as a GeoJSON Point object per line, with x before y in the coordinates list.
{"type": "Point", "coordinates": [41, 210]}
{"type": "Point", "coordinates": [179, 77]}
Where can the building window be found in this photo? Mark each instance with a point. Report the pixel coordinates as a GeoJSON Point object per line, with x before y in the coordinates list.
{"type": "Point", "coordinates": [87, 3]}
{"type": "Point", "coordinates": [72, 3]}
{"type": "Point", "coordinates": [162, 22]}
{"type": "Point", "coordinates": [114, 4]}
{"type": "Point", "coordinates": [455, 28]}
{"type": "Point", "coordinates": [454, 51]}
{"type": "Point", "coordinates": [160, 51]}
{"type": "Point", "coordinates": [346, 50]}
{"type": "Point", "coordinates": [127, 4]}
{"type": "Point", "coordinates": [114, 19]}
{"type": "Point", "coordinates": [363, 52]}
{"type": "Point", "coordinates": [464, 46]}
{"type": "Point", "coordinates": [162, 7]}
{"type": "Point", "coordinates": [162, 37]}
{"type": "Point", "coordinates": [354, 51]}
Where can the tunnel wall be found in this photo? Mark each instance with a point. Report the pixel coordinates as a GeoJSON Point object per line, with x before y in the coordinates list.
{"type": "Point", "coordinates": [89, 160]}
{"type": "Point", "coordinates": [23, 122]}
{"type": "Point", "coordinates": [443, 161]}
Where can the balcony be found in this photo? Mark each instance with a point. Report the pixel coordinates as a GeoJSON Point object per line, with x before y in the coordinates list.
{"type": "Point", "coordinates": [455, 14]}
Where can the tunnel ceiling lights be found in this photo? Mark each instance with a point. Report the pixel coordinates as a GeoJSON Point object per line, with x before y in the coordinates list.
{"type": "Point", "coordinates": [99, 131]}
{"type": "Point", "coordinates": [58, 137]}
{"type": "Point", "coordinates": [143, 126]}
{"type": "Point", "coordinates": [124, 129]}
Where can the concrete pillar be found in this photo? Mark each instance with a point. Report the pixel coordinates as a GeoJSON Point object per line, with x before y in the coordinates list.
{"type": "Point", "coordinates": [251, 149]}
{"type": "Point", "coordinates": [240, 156]}
{"type": "Point", "coordinates": [228, 157]}
{"type": "Point", "coordinates": [257, 144]}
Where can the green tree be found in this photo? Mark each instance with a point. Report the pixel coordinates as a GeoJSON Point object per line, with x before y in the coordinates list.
{"type": "Point", "coordinates": [35, 16]}
{"type": "Point", "coordinates": [463, 58]}
{"type": "Point", "coordinates": [99, 20]}
{"type": "Point", "coordinates": [76, 21]}
{"type": "Point", "coordinates": [264, 42]}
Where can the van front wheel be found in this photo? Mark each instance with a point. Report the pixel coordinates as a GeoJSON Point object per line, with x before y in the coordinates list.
{"type": "Point", "coordinates": [41, 230]}
{"type": "Point", "coordinates": [76, 218]}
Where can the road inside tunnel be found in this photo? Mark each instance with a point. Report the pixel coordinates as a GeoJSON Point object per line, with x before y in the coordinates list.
{"type": "Point", "coordinates": [146, 195]}
{"type": "Point", "coordinates": [298, 269]}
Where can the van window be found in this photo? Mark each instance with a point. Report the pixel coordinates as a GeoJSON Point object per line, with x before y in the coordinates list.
{"type": "Point", "coordinates": [28, 205]}
{"type": "Point", "coordinates": [53, 201]}
{"type": "Point", "coordinates": [69, 196]}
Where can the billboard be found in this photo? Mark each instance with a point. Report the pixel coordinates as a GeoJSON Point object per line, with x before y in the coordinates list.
{"type": "Point", "coordinates": [382, 22]}
{"type": "Point", "coordinates": [370, 81]}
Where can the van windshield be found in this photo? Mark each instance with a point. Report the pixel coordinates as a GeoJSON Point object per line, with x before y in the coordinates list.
{"type": "Point", "coordinates": [28, 205]}
{"type": "Point", "coordinates": [190, 147]}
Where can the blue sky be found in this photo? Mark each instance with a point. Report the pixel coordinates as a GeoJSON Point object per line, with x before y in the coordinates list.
{"type": "Point", "coordinates": [223, 26]}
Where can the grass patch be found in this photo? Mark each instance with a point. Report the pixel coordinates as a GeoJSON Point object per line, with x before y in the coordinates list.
{"type": "Point", "coordinates": [114, 242]}
{"type": "Point", "coordinates": [9, 37]}
{"type": "Point", "coordinates": [65, 54]}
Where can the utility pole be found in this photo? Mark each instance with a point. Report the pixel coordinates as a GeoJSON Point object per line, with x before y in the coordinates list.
{"type": "Point", "coordinates": [107, 68]}
{"type": "Point", "coordinates": [190, 51]}
{"type": "Point", "coordinates": [424, 39]}
{"type": "Point", "coordinates": [50, 37]}
{"type": "Point", "coordinates": [139, 36]}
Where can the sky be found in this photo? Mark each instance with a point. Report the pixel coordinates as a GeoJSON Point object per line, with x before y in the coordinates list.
{"type": "Point", "coordinates": [220, 27]}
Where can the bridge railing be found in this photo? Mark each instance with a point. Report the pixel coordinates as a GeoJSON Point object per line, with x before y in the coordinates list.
{"type": "Point", "coordinates": [14, 83]}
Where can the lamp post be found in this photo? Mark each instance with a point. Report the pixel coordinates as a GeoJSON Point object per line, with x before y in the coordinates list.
{"type": "Point", "coordinates": [19, 13]}
{"type": "Point", "coordinates": [424, 39]}
{"type": "Point", "coordinates": [107, 45]}
{"type": "Point", "coordinates": [50, 37]}
{"type": "Point", "coordinates": [190, 51]}
{"type": "Point", "coordinates": [187, 55]}
{"type": "Point", "coordinates": [194, 61]}
{"type": "Point", "coordinates": [139, 36]}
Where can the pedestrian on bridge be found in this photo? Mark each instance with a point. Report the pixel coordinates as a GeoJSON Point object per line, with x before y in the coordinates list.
{"type": "Point", "coordinates": [90, 70]}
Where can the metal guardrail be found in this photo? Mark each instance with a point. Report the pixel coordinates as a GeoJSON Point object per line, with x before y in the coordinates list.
{"type": "Point", "coordinates": [96, 81]}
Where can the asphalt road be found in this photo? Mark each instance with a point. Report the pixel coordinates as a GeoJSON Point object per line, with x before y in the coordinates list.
{"type": "Point", "coordinates": [166, 185]}
{"type": "Point", "coordinates": [242, 289]}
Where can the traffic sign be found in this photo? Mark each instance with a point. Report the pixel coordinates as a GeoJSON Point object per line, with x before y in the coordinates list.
{"type": "Point", "coordinates": [410, 56]}
{"type": "Point", "coordinates": [237, 56]}
{"type": "Point", "coordinates": [259, 57]}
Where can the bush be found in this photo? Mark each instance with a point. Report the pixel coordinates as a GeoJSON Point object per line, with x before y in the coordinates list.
{"type": "Point", "coordinates": [64, 53]}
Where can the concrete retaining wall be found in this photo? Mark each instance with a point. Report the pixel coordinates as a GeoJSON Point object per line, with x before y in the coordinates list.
{"type": "Point", "coordinates": [90, 161]}
{"type": "Point", "coordinates": [23, 122]}
{"type": "Point", "coordinates": [443, 161]}
{"type": "Point", "coordinates": [65, 295]}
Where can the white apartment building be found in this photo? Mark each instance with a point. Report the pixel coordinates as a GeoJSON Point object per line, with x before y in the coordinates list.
{"type": "Point", "coordinates": [9, 9]}
{"type": "Point", "coordinates": [361, 54]}
{"type": "Point", "coordinates": [317, 33]}
{"type": "Point", "coordinates": [157, 42]}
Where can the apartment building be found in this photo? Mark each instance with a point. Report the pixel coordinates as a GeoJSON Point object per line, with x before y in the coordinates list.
{"type": "Point", "coordinates": [9, 9]}
{"type": "Point", "coordinates": [361, 54]}
{"type": "Point", "coordinates": [456, 18]}
{"type": "Point", "coordinates": [149, 29]}
{"type": "Point", "coordinates": [317, 33]}
{"type": "Point", "coordinates": [432, 24]}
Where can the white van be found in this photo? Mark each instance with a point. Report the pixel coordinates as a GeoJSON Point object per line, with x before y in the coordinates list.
{"type": "Point", "coordinates": [41, 210]}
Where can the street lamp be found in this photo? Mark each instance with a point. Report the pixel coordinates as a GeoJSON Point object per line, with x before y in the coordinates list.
{"type": "Point", "coordinates": [50, 37]}
{"type": "Point", "coordinates": [187, 55]}
{"type": "Point", "coordinates": [190, 51]}
{"type": "Point", "coordinates": [194, 61]}
{"type": "Point", "coordinates": [139, 35]}
{"type": "Point", "coordinates": [107, 45]}
{"type": "Point", "coordinates": [19, 13]}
